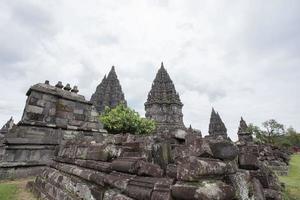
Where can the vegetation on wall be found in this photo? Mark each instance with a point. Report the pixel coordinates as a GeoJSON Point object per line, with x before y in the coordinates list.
{"type": "Point", "coordinates": [125, 120]}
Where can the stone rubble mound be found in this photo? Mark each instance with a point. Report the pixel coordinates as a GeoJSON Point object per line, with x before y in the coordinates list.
{"type": "Point", "coordinates": [125, 166]}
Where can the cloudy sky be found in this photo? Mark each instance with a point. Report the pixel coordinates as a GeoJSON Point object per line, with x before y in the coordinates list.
{"type": "Point", "coordinates": [241, 57]}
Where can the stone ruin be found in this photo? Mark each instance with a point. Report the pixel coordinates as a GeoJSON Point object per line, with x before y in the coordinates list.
{"type": "Point", "coordinates": [52, 115]}
{"type": "Point", "coordinates": [275, 158]}
{"type": "Point", "coordinates": [155, 167]}
{"type": "Point", "coordinates": [60, 140]}
{"type": "Point", "coordinates": [108, 93]}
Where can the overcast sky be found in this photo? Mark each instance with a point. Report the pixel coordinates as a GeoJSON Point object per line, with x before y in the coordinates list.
{"type": "Point", "coordinates": [241, 57]}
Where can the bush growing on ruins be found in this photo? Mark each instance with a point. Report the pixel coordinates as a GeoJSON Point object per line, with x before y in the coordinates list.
{"type": "Point", "coordinates": [125, 120]}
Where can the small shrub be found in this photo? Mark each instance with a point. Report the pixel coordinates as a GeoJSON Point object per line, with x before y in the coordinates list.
{"type": "Point", "coordinates": [125, 120]}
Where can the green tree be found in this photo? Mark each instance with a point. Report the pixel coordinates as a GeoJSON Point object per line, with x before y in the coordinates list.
{"type": "Point", "coordinates": [257, 132]}
{"type": "Point", "coordinates": [293, 136]}
{"type": "Point", "coordinates": [125, 120]}
{"type": "Point", "coordinates": [272, 130]}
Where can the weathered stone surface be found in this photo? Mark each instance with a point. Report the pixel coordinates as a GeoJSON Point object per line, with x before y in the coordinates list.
{"type": "Point", "coordinates": [272, 194]}
{"type": "Point", "coordinates": [223, 149]}
{"type": "Point", "coordinates": [97, 165]}
{"type": "Point", "coordinates": [245, 186]}
{"type": "Point", "coordinates": [142, 187]}
{"type": "Point", "coordinates": [128, 165]}
{"type": "Point", "coordinates": [199, 147]}
{"type": "Point", "coordinates": [258, 191]}
{"type": "Point", "coordinates": [203, 190]}
{"type": "Point", "coordinates": [163, 103]}
{"type": "Point", "coordinates": [161, 153]}
{"type": "Point", "coordinates": [108, 93]}
{"type": "Point", "coordinates": [7, 126]}
{"type": "Point", "coordinates": [51, 117]}
{"type": "Point", "coordinates": [114, 195]}
{"type": "Point", "coordinates": [216, 125]}
{"type": "Point", "coordinates": [149, 169]}
{"type": "Point", "coordinates": [248, 157]}
{"type": "Point", "coordinates": [194, 168]}
{"type": "Point", "coordinates": [243, 134]}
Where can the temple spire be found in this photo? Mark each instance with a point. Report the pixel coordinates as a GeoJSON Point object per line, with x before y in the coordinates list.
{"type": "Point", "coordinates": [243, 133]}
{"type": "Point", "coordinates": [109, 92]}
{"type": "Point", "coordinates": [216, 125]}
{"type": "Point", "coordinates": [7, 126]}
{"type": "Point", "coordinates": [163, 103]}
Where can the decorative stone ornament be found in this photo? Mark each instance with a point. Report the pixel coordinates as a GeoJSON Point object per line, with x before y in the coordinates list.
{"type": "Point", "coordinates": [67, 87]}
{"type": "Point", "coordinates": [75, 89]}
{"type": "Point", "coordinates": [59, 85]}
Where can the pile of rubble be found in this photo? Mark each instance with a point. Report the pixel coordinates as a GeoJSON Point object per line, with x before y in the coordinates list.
{"type": "Point", "coordinates": [125, 166]}
{"type": "Point", "coordinates": [276, 158]}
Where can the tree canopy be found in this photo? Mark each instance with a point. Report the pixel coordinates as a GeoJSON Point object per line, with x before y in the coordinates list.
{"type": "Point", "coordinates": [274, 133]}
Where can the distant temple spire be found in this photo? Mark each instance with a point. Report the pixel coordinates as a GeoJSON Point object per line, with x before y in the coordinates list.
{"type": "Point", "coordinates": [163, 103]}
{"type": "Point", "coordinates": [244, 134]}
{"type": "Point", "coordinates": [216, 125]}
{"type": "Point", "coordinates": [7, 126]}
{"type": "Point", "coordinates": [108, 93]}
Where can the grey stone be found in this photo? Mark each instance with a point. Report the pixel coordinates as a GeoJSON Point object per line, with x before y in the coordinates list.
{"type": "Point", "coordinates": [108, 93]}
{"type": "Point", "coordinates": [216, 125]}
{"type": "Point", "coordinates": [163, 104]}
{"type": "Point", "coordinates": [223, 149]}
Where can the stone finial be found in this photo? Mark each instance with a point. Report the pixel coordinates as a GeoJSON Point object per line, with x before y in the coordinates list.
{"type": "Point", "coordinates": [75, 89]}
{"type": "Point", "coordinates": [67, 87]}
{"type": "Point", "coordinates": [59, 85]}
{"type": "Point", "coordinates": [47, 82]}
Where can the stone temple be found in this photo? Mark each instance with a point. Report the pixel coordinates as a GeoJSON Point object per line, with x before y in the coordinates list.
{"type": "Point", "coordinates": [216, 126]}
{"type": "Point", "coordinates": [163, 104]}
{"type": "Point", "coordinates": [60, 141]}
{"type": "Point", "coordinates": [108, 93]}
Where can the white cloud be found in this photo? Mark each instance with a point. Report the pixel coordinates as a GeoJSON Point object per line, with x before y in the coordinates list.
{"type": "Point", "coordinates": [238, 56]}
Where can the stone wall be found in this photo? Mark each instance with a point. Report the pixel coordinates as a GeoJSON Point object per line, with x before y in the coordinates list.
{"type": "Point", "coordinates": [52, 115]}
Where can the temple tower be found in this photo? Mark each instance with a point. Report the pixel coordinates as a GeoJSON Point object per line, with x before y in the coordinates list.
{"type": "Point", "coordinates": [243, 133]}
{"type": "Point", "coordinates": [163, 104]}
{"type": "Point", "coordinates": [216, 125]}
{"type": "Point", "coordinates": [7, 126]}
{"type": "Point", "coordinates": [108, 93]}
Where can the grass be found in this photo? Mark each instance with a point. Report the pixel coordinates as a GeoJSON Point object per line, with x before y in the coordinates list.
{"type": "Point", "coordinates": [292, 181]}
{"type": "Point", "coordinates": [15, 190]}
{"type": "Point", "coordinates": [8, 191]}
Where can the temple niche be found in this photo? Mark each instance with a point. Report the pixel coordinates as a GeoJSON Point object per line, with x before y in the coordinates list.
{"type": "Point", "coordinates": [108, 93]}
{"type": "Point", "coordinates": [163, 104]}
